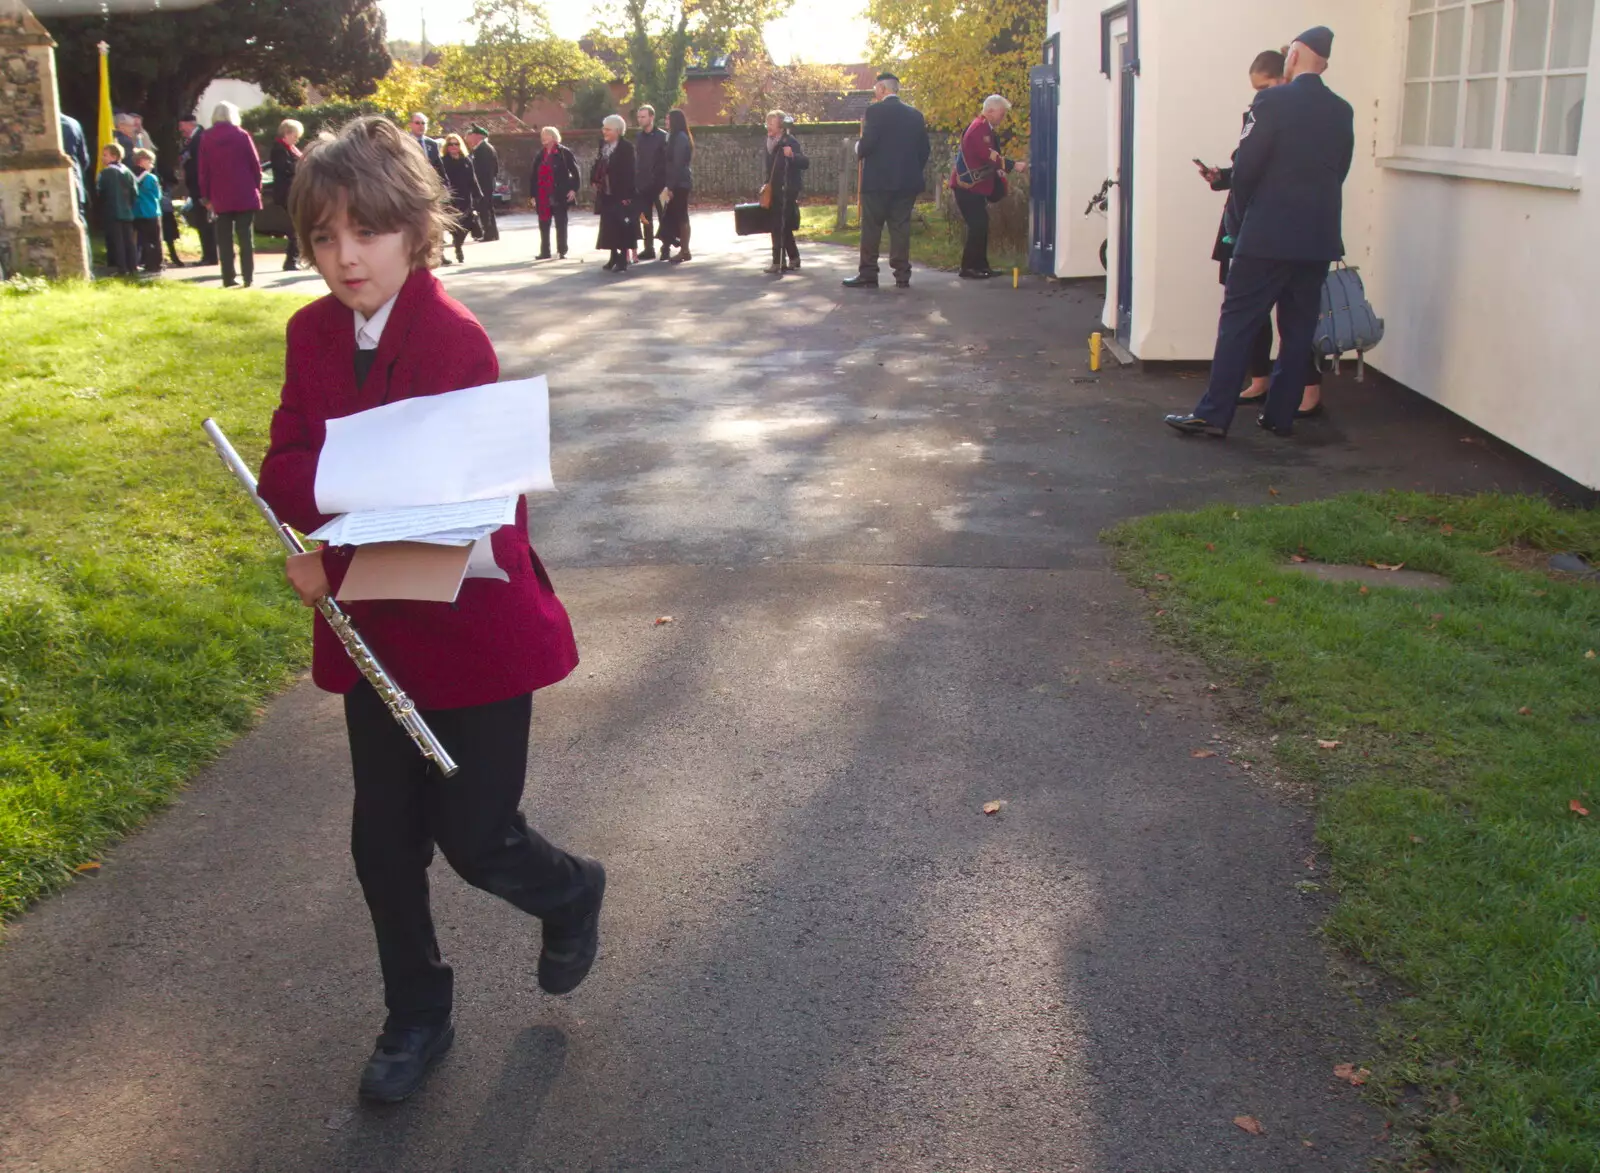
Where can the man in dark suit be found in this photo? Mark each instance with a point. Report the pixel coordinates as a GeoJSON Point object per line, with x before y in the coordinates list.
{"type": "Point", "coordinates": [189, 133]}
{"type": "Point", "coordinates": [428, 146]}
{"type": "Point", "coordinates": [650, 167]}
{"type": "Point", "coordinates": [1284, 222]}
{"type": "Point", "coordinates": [894, 156]}
{"type": "Point", "coordinates": [486, 165]}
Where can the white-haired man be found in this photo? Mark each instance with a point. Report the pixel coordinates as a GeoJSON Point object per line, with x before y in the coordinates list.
{"type": "Point", "coordinates": [894, 152]}
{"type": "Point", "coordinates": [978, 179]}
{"type": "Point", "coordinates": [428, 146]}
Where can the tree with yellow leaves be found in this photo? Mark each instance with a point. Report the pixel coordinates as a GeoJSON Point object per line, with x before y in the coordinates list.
{"type": "Point", "coordinates": [950, 55]}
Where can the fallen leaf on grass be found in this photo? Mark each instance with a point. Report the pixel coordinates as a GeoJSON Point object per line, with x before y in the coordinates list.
{"type": "Point", "coordinates": [1386, 566]}
{"type": "Point", "coordinates": [92, 865]}
{"type": "Point", "coordinates": [1163, 578]}
{"type": "Point", "coordinates": [1417, 839]}
{"type": "Point", "coordinates": [1271, 490]}
{"type": "Point", "coordinates": [992, 808]}
{"type": "Point", "coordinates": [1447, 529]}
{"type": "Point", "coordinates": [1250, 1124]}
{"type": "Point", "coordinates": [663, 619]}
{"type": "Point", "coordinates": [1578, 808]}
{"type": "Point", "coordinates": [1524, 711]}
{"type": "Point", "coordinates": [1297, 557]}
{"type": "Point", "coordinates": [1202, 753]}
{"type": "Point", "coordinates": [1364, 591]}
{"type": "Point", "coordinates": [1589, 655]}
{"type": "Point", "coordinates": [1272, 600]}
{"type": "Point", "coordinates": [1352, 1075]}
{"type": "Point", "coordinates": [1321, 744]}
{"type": "Point", "coordinates": [1211, 546]}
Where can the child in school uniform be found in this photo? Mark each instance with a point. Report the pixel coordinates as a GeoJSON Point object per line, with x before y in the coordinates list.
{"type": "Point", "coordinates": [115, 192]}
{"type": "Point", "coordinates": [147, 209]}
{"type": "Point", "coordinates": [370, 213]}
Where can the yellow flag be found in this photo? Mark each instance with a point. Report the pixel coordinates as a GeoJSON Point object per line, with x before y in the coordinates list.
{"type": "Point", "coordinates": [107, 126]}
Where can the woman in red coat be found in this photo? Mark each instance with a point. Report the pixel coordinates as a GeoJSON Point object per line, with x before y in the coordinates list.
{"type": "Point", "coordinates": [977, 182]}
{"type": "Point", "coordinates": [372, 213]}
{"type": "Point", "coordinates": [230, 186]}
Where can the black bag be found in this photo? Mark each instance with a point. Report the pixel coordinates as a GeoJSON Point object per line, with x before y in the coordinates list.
{"type": "Point", "coordinates": [752, 220]}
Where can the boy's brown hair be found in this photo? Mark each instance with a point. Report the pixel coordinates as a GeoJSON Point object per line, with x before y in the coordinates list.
{"type": "Point", "coordinates": [114, 150]}
{"type": "Point", "coordinates": [144, 153]}
{"type": "Point", "coordinates": [385, 180]}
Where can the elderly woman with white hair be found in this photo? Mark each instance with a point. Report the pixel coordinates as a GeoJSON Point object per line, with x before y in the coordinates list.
{"type": "Point", "coordinates": [978, 180]}
{"type": "Point", "coordinates": [230, 186]}
{"type": "Point", "coordinates": [612, 178]}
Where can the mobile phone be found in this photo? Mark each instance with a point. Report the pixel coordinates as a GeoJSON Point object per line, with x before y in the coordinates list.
{"type": "Point", "coordinates": [1201, 165]}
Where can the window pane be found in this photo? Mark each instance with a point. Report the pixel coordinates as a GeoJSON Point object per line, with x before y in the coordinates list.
{"type": "Point", "coordinates": [1563, 116]}
{"type": "Point", "coordinates": [1481, 98]}
{"type": "Point", "coordinates": [1522, 114]}
{"type": "Point", "coordinates": [1442, 113]}
{"type": "Point", "coordinates": [1447, 31]}
{"type": "Point", "coordinates": [1421, 5]}
{"type": "Point", "coordinates": [1528, 31]}
{"type": "Point", "coordinates": [1487, 21]}
{"type": "Point", "coordinates": [1414, 116]}
{"type": "Point", "coordinates": [1419, 50]}
{"type": "Point", "coordinates": [1569, 39]}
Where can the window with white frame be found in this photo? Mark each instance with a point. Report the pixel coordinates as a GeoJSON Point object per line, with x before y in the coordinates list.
{"type": "Point", "coordinates": [1502, 75]}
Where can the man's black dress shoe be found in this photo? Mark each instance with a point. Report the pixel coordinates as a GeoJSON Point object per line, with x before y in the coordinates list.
{"type": "Point", "coordinates": [1261, 422]}
{"type": "Point", "coordinates": [860, 282]}
{"type": "Point", "coordinates": [902, 282]}
{"type": "Point", "coordinates": [649, 254]}
{"type": "Point", "coordinates": [399, 1065]}
{"type": "Point", "coordinates": [974, 274]}
{"type": "Point", "coordinates": [571, 942]}
{"type": "Point", "coordinates": [1193, 425]}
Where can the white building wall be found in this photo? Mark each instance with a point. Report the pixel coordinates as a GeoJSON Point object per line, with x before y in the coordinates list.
{"type": "Point", "coordinates": [1487, 287]}
{"type": "Point", "coordinates": [1081, 146]}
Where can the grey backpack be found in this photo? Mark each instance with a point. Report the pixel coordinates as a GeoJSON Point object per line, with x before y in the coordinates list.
{"type": "Point", "coordinates": [1347, 321]}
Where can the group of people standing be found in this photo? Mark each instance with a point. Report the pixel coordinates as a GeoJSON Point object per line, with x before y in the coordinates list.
{"type": "Point", "coordinates": [632, 179]}
{"type": "Point", "coordinates": [1281, 228]}
{"type": "Point", "coordinates": [468, 164]}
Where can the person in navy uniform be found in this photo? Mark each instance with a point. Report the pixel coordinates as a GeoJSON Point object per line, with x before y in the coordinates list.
{"type": "Point", "coordinates": [1283, 220]}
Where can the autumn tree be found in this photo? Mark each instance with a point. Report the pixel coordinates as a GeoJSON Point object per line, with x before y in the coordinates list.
{"type": "Point", "coordinates": [805, 91]}
{"type": "Point", "coordinates": [591, 102]}
{"type": "Point", "coordinates": [515, 59]}
{"type": "Point", "coordinates": [951, 55]}
{"type": "Point", "coordinates": [162, 61]}
{"type": "Point", "coordinates": [665, 36]}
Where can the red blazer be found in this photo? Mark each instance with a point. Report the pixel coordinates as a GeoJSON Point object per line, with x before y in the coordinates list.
{"type": "Point", "coordinates": [976, 143]}
{"type": "Point", "coordinates": [498, 640]}
{"type": "Point", "coordinates": [230, 170]}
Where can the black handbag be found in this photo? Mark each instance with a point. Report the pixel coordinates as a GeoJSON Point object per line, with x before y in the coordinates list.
{"type": "Point", "coordinates": [752, 220]}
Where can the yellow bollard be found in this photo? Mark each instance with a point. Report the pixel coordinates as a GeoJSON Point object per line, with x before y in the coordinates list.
{"type": "Point", "coordinates": [1094, 352]}
{"type": "Point", "coordinates": [1016, 275]}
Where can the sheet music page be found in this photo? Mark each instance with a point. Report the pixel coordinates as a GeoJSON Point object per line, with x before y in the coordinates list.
{"type": "Point", "coordinates": [444, 523]}
{"type": "Point", "coordinates": [470, 445]}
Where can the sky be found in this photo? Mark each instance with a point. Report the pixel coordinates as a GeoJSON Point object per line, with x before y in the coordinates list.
{"type": "Point", "coordinates": [828, 32]}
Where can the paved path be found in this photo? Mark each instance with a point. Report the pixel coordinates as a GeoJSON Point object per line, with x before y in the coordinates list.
{"type": "Point", "coordinates": [873, 519]}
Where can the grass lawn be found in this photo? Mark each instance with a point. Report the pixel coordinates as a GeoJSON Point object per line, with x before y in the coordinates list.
{"type": "Point", "coordinates": [1467, 726]}
{"type": "Point", "coordinates": [935, 242]}
{"type": "Point", "coordinates": [143, 615]}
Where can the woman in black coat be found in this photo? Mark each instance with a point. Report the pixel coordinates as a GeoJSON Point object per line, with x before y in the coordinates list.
{"type": "Point", "coordinates": [285, 158]}
{"type": "Point", "coordinates": [554, 188]}
{"type": "Point", "coordinates": [461, 177]}
{"type": "Point", "coordinates": [613, 178]}
{"type": "Point", "coordinates": [680, 182]}
{"type": "Point", "coordinates": [786, 165]}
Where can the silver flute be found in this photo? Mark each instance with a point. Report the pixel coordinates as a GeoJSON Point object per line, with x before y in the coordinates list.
{"type": "Point", "coordinates": [400, 705]}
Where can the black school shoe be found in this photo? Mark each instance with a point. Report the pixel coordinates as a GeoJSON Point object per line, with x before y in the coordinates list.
{"type": "Point", "coordinates": [401, 1061]}
{"type": "Point", "coordinates": [1193, 425]}
{"type": "Point", "coordinates": [571, 942]}
{"type": "Point", "coordinates": [860, 282]}
{"type": "Point", "coordinates": [1261, 422]}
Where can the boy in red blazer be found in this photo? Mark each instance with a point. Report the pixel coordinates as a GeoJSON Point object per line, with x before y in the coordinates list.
{"type": "Point", "coordinates": [371, 214]}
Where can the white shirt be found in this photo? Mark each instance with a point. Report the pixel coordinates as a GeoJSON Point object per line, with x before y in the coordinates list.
{"type": "Point", "coordinates": [369, 331]}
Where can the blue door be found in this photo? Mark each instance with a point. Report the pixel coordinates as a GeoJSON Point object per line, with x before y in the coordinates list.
{"type": "Point", "coordinates": [1044, 104]}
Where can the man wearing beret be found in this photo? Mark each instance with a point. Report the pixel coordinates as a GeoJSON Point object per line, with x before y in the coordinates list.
{"type": "Point", "coordinates": [486, 165]}
{"type": "Point", "coordinates": [1284, 222]}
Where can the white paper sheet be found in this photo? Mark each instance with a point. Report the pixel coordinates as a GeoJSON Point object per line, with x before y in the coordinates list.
{"type": "Point", "coordinates": [482, 564]}
{"type": "Point", "coordinates": [469, 445]}
{"type": "Point", "coordinates": [460, 523]}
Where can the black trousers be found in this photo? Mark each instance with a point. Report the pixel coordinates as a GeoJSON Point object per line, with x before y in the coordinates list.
{"type": "Point", "coordinates": [122, 247]}
{"type": "Point", "coordinates": [892, 210]}
{"type": "Point", "coordinates": [486, 221]}
{"type": "Point", "coordinates": [675, 218]}
{"type": "Point", "coordinates": [975, 211]}
{"type": "Point", "coordinates": [648, 208]}
{"type": "Point", "coordinates": [783, 245]}
{"type": "Point", "coordinates": [147, 232]}
{"type": "Point", "coordinates": [1255, 286]}
{"type": "Point", "coordinates": [206, 229]}
{"type": "Point", "coordinates": [559, 215]}
{"type": "Point", "coordinates": [240, 226]}
{"type": "Point", "coordinates": [403, 807]}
